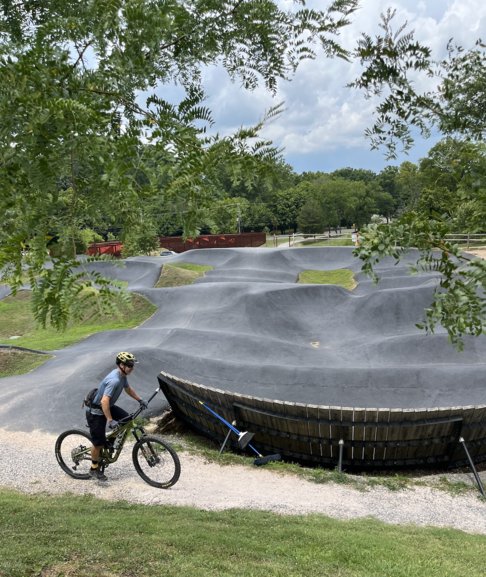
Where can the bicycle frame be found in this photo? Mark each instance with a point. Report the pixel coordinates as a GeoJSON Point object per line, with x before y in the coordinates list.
{"type": "Point", "coordinates": [110, 453]}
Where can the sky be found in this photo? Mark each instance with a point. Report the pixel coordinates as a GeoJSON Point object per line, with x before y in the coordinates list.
{"type": "Point", "coordinates": [323, 123]}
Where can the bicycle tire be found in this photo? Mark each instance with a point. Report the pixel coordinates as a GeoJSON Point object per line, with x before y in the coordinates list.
{"type": "Point", "coordinates": [73, 450]}
{"type": "Point", "coordinates": [156, 462]}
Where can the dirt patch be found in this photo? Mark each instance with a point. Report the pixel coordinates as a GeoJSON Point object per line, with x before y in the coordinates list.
{"type": "Point", "coordinates": [481, 252]}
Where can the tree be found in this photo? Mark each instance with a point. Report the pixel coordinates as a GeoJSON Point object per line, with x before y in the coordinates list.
{"type": "Point", "coordinates": [409, 186]}
{"type": "Point", "coordinates": [257, 218]}
{"type": "Point", "coordinates": [311, 218]}
{"type": "Point", "coordinates": [256, 185]}
{"type": "Point", "coordinates": [392, 62]}
{"type": "Point", "coordinates": [356, 174]}
{"type": "Point", "coordinates": [82, 95]}
{"type": "Point", "coordinates": [384, 202]}
{"type": "Point", "coordinates": [285, 206]}
{"type": "Point", "coordinates": [360, 204]}
{"type": "Point", "coordinates": [226, 216]}
{"type": "Point", "coordinates": [387, 180]}
{"type": "Point", "coordinates": [455, 107]}
{"type": "Point", "coordinates": [336, 201]}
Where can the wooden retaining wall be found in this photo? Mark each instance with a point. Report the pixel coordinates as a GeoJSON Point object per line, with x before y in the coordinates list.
{"type": "Point", "coordinates": [244, 239]}
{"type": "Point", "coordinates": [312, 434]}
{"type": "Point", "coordinates": [178, 244]}
{"type": "Point", "coordinates": [110, 247]}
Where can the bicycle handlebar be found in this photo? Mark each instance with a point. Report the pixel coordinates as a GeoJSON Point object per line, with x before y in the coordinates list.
{"type": "Point", "coordinates": [153, 395]}
{"type": "Point", "coordinates": [134, 415]}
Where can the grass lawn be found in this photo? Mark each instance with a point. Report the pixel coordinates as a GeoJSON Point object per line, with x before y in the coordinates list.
{"type": "Point", "coordinates": [284, 241]}
{"type": "Point", "coordinates": [72, 536]}
{"type": "Point", "coordinates": [16, 320]}
{"type": "Point", "coordinates": [346, 241]}
{"type": "Point", "coordinates": [14, 362]}
{"type": "Point", "coordinates": [180, 274]}
{"type": "Point", "coordinates": [272, 242]}
{"type": "Point", "coordinates": [342, 277]}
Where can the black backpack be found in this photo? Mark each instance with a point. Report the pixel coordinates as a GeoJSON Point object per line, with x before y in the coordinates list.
{"type": "Point", "coordinates": [89, 398]}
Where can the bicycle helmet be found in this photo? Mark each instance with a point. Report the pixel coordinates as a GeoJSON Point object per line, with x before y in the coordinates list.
{"type": "Point", "coordinates": [126, 358]}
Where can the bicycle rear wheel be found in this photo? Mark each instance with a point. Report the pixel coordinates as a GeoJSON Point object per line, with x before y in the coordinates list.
{"type": "Point", "coordinates": [73, 453]}
{"type": "Point", "coordinates": [156, 462]}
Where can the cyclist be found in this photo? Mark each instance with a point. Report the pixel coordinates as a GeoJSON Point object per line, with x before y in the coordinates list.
{"type": "Point", "coordinates": [104, 410]}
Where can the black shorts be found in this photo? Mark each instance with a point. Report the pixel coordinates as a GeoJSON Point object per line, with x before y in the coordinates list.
{"type": "Point", "coordinates": [97, 424]}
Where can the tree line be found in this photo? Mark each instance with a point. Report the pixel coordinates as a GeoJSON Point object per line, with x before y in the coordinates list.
{"type": "Point", "coordinates": [448, 184]}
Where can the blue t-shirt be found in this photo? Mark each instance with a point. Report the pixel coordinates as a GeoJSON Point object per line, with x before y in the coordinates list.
{"type": "Point", "coordinates": [111, 386]}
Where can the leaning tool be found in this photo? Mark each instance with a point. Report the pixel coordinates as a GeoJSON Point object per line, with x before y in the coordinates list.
{"type": "Point", "coordinates": [244, 438]}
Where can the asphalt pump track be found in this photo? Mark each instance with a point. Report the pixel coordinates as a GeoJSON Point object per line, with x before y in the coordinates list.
{"type": "Point", "coordinates": [248, 328]}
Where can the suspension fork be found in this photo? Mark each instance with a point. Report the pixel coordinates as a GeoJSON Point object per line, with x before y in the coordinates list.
{"type": "Point", "coordinates": [139, 433]}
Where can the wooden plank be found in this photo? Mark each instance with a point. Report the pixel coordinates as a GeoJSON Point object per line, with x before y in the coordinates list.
{"type": "Point", "coordinates": [328, 432]}
{"type": "Point", "coordinates": [292, 426]}
{"type": "Point", "coordinates": [297, 415]}
{"type": "Point", "coordinates": [263, 421]}
{"type": "Point", "coordinates": [358, 433]}
{"type": "Point", "coordinates": [345, 433]}
{"type": "Point", "coordinates": [381, 435]}
{"type": "Point", "coordinates": [319, 446]}
{"type": "Point", "coordinates": [371, 419]}
{"type": "Point", "coordinates": [438, 429]}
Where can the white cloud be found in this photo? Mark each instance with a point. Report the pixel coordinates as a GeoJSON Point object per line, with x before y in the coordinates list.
{"type": "Point", "coordinates": [321, 113]}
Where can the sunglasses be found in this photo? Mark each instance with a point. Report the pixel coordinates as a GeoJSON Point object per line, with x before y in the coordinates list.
{"type": "Point", "coordinates": [129, 365]}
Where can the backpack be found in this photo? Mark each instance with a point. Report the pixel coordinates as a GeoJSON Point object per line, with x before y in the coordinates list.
{"type": "Point", "coordinates": [89, 398]}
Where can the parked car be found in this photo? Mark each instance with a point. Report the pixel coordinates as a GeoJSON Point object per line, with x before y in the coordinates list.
{"type": "Point", "coordinates": [167, 252]}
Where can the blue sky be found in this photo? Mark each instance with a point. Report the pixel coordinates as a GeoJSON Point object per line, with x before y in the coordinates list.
{"type": "Point", "coordinates": [322, 127]}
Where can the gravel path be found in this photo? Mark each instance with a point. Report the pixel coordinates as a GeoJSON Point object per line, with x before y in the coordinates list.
{"type": "Point", "coordinates": [29, 465]}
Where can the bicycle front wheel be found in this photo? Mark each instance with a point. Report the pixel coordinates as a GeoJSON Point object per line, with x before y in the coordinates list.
{"type": "Point", "coordinates": [156, 462]}
{"type": "Point", "coordinates": [73, 453]}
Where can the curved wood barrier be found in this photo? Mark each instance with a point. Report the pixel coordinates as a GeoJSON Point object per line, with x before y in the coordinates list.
{"type": "Point", "coordinates": [358, 438]}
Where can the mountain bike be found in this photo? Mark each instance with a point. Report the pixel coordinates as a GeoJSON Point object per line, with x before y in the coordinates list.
{"type": "Point", "coordinates": [154, 459]}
